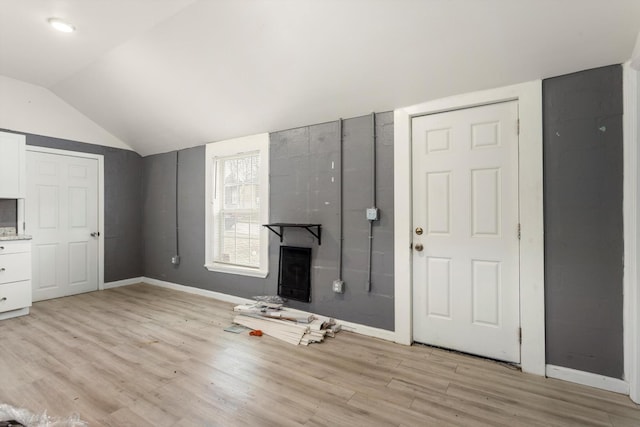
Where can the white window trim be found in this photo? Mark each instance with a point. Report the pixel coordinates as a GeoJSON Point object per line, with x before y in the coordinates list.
{"type": "Point", "coordinates": [529, 96]}
{"type": "Point", "coordinates": [233, 147]}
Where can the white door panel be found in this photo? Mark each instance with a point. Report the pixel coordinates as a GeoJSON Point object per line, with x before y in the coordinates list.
{"type": "Point", "coordinates": [465, 198]}
{"type": "Point", "coordinates": [61, 214]}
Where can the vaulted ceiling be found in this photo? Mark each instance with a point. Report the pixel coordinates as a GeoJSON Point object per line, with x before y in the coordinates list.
{"type": "Point", "coordinates": [168, 74]}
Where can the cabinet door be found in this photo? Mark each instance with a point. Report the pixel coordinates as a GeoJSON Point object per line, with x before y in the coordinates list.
{"type": "Point", "coordinates": [13, 166]}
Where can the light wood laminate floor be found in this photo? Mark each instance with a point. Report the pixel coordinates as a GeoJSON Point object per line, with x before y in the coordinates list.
{"type": "Point", "coordinates": [146, 356]}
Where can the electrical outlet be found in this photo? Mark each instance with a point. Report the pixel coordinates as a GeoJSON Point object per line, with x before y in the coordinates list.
{"type": "Point", "coordinates": [175, 260]}
{"type": "Point", "coordinates": [372, 214]}
{"type": "Point", "coordinates": [338, 286]}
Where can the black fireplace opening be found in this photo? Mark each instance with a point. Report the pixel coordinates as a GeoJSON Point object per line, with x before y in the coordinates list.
{"type": "Point", "coordinates": [294, 275]}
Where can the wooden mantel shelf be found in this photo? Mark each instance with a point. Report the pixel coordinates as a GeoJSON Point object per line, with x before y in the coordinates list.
{"type": "Point", "coordinates": [278, 228]}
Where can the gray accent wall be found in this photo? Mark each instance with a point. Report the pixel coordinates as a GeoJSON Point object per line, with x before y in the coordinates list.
{"type": "Point", "coordinates": [122, 204]}
{"type": "Point", "coordinates": [583, 220]}
{"type": "Point", "coordinates": [305, 184]}
{"type": "Point", "coordinates": [301, 191]}
{"type": "Point", "coordinates": [159, 230]}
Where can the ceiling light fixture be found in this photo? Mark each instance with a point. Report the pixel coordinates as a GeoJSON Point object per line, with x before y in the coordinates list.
{"type": "Point", "coordinates": [61, 25]}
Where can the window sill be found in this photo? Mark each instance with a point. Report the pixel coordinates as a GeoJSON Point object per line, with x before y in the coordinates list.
{"type": "Point", "coordinates": [240, 271]}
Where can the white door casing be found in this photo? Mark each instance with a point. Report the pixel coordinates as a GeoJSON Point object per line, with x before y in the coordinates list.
{"type": "Point", "coordinates": [62, 212]}
{"type": "Point", "coordinates": [465, 206]}
{"type": "Point", "coordinates": [529, 97]}
{"type": "Point", "coordinates": [631, 196]}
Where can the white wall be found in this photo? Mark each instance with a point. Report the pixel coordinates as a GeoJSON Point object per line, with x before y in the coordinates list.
{"type": "Point", "coordinates": [33, 109]}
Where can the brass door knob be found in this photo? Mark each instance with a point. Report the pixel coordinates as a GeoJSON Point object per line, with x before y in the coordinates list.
{"type": "Point", "coordinates": [419, 231]}
{"type": "Point", "coordinates": [419, 247]}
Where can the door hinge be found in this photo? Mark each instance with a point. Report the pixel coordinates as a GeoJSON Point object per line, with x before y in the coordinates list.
{"type": "Point", "coordinates": [520, 335]}
{"type": "Point", "coordinates": [519, 231]}
{"type": "Point", "coordinates": [518, 126]}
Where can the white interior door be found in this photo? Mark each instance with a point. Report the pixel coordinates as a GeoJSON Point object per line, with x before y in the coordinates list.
{"type": "Point", "coordinates": [62, 216]}
{"type": "Point", "coordinates": [466, 258]}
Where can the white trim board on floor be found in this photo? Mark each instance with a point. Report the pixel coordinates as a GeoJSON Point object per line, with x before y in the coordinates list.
{"type": "Point", "coordinates": [100, 159]}
{"type": "Point", "coordinates": [347, 326]}
{"type": "Point", "coordinates": [587, 378]}
{"type": "Point", "coordinates": [529, 96]}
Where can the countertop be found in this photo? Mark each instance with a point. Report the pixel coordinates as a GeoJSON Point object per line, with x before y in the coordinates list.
{"type": "Point", "coordinates": [5, 238]}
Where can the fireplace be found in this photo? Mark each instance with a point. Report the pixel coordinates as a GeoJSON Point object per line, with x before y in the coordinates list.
{"type": "Point", "coordinates": [294, 275]}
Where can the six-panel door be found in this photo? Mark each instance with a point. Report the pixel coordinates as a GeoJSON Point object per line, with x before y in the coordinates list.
{"type": "Point", "coordinates": [465, 198]}
{"type": "Point", "coordinates": [62, 214]}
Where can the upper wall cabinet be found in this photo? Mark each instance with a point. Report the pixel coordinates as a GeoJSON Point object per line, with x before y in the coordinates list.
{"type": "Point", "coordinates": [13, 166]}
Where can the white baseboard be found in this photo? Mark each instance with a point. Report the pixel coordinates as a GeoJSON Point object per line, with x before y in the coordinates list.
{"type": "Point", "coordinates": [197, 291]}
{"type": "Point", "coordinates": [587, 378]}
{"type": "Point", "coordinates": [368, 331]}
{"type": "Point", "coordinates": [125, 282]}
{"type": "Point", "coordinates": [357, 328]}
{"type": "Point", "coordinates": [347, 326]}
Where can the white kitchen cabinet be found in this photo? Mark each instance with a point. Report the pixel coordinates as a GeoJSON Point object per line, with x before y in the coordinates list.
{"type": "Point", "coordinates": [15, 278]}
{"type": "Point", "coordinates": [13, 166]}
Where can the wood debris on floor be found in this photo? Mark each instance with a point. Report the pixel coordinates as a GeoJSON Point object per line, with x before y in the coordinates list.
{"type": "Point", "coordinates": [285, 324]}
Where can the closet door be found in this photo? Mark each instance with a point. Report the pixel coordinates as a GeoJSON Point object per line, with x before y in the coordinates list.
{"type": "Point", "coordinates": [62, 217]}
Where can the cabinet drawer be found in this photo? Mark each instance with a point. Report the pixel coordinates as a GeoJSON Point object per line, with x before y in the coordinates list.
{"type": "Point", "coordinates": [15, 295]}
{"type": "Point", "coordinates": [9, 247]}
{"type": "Point", "coordinates": [15, 267]}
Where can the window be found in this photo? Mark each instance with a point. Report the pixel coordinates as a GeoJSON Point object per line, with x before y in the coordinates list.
{"type": "Point", "coordinates": [237, 197]}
